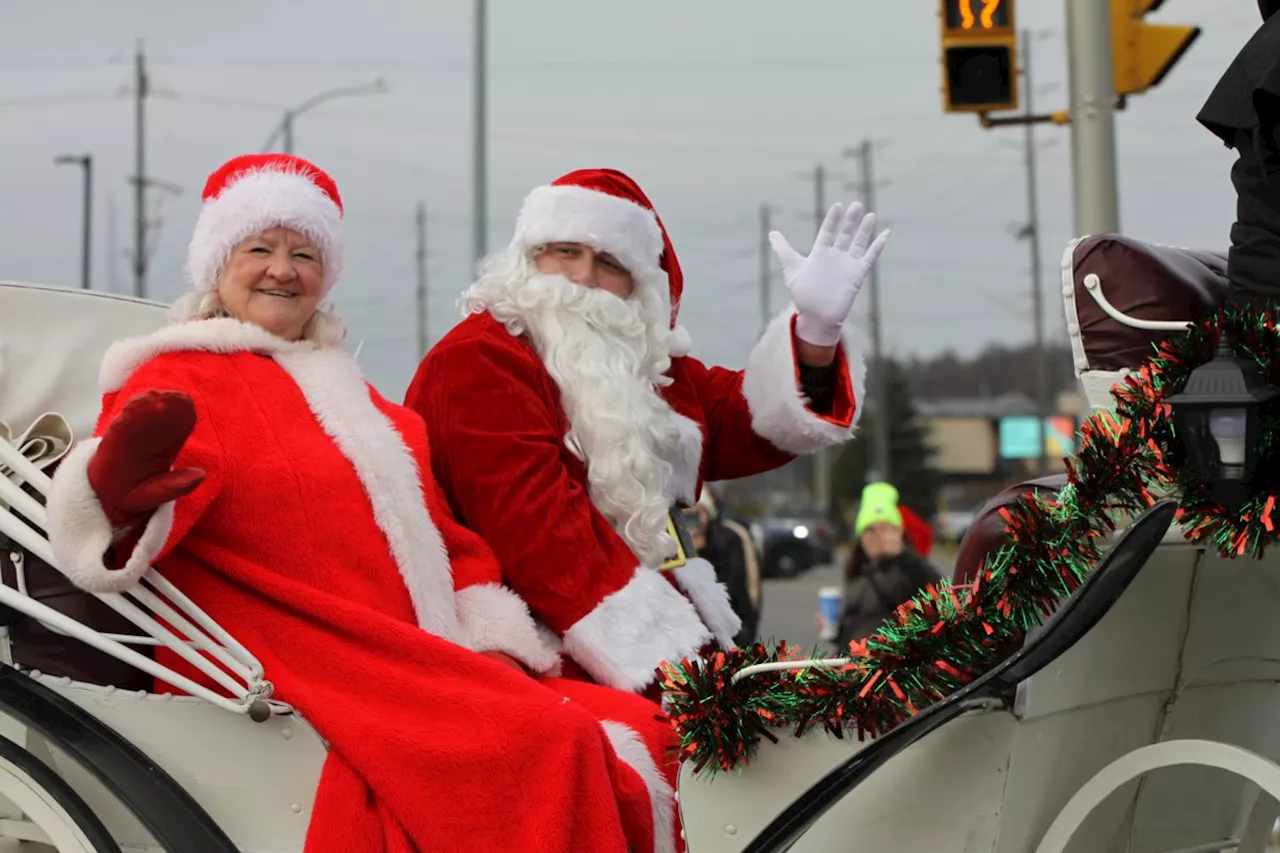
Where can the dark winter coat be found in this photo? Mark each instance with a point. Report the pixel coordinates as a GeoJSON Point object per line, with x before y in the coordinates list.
{"type": "Point", "coordinates": [731, 550]}
{"type": "Point", "coordinates": [873, 589]}
{"type": "Point", "coordinates": [1244, 112]}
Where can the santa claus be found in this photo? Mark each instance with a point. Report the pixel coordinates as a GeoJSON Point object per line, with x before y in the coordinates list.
{"type": "Point", "coordinates": [567, 420]}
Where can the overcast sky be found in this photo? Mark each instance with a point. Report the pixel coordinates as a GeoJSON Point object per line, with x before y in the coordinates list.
{"type": "Point", "coordinates": [716, 107]}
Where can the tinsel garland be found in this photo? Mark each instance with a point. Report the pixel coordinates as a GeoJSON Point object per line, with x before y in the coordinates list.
{"type": "Point", "coordinates": [947, 635]}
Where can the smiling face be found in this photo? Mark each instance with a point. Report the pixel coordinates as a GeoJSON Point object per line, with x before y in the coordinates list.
{"type": "Point", "coordinates": [273, 279]}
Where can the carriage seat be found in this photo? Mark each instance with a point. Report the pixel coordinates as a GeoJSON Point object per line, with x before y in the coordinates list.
{"type": "Point", "coordinates": [1123, 296]}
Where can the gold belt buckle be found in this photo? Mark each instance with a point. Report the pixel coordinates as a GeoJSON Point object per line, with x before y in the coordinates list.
{"type": "Point", "coordinates": [684, 543]}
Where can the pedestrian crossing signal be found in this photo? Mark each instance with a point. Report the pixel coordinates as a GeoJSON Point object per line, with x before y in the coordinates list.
{"type": "Point", "coordinates": [979, 56]}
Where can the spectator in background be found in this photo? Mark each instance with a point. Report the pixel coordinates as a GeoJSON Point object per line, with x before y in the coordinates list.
{"type": "Point", "coordinates": [728, 545]}
{"type": "Point", "coordinates": [884, 568]}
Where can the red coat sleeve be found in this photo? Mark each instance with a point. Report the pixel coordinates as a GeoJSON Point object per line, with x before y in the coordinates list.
{"type": "Point", "coordinates": [79, 531]}
{"type": "Point", "coordinates": [497, 450]}
{"type": "Point", "coordinates": [758, 418]}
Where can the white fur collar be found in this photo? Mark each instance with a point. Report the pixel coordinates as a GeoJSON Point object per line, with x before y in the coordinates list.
{"type": "Point", "coordinates": [220, 335]}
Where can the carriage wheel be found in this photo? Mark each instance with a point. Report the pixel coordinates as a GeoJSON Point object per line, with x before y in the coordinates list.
{"type": "Point", "coordinates": [55, 816]}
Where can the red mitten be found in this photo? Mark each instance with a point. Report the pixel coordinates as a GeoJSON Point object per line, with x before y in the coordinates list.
{"type": "Point", "coordinates": [131, 470]}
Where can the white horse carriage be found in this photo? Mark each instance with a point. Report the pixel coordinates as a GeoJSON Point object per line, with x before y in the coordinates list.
{"type": "Point", "coordinates": [1141, 717]}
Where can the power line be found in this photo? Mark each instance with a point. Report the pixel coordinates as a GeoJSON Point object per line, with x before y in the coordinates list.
{"type": "Point", "coordinates": [646, 66]}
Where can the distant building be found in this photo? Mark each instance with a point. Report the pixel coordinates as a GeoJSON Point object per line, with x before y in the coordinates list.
{"type": "Point", "coordinates": [982, 444]}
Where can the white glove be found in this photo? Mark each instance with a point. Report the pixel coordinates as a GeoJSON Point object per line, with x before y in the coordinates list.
{"type": "Point", "coordinates": [825, 284]}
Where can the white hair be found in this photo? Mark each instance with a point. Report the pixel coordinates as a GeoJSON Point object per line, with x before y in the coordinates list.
{"type": "Point", "coordinates": [608, 356]}
{"type": "Point", "coordinates": [325, 328]}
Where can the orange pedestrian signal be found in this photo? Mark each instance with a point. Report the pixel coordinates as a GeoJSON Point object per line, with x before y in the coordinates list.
{"type": "Point", "coordinates": [979, 55]}
{"type": "Point", "coordinates": [977, 14]}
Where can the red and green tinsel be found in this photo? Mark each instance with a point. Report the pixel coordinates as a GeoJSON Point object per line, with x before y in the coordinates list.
{"type": "Point", "coordinates": [947, 635]}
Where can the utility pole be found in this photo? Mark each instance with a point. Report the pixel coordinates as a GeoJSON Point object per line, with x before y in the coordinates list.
{"type": "Point", "coordinates": [286, 132]}
{"type": "Point", "coordinates": [1032, 233]}
{"type": "Point", "coordinates": [421, 256]}
{"type": "Point", "coordinates": [879, 468]}
{"type": "Point", "coordinates": [112, 248]}
{"type": "Point", "coordinates": [822, 459]}
{"type": "Point", "coordinates": [1093, 130]}
{"type": "Point", "coordinates": [85, 162]}
{"type": "Point", "coordinates": [479, 199]}
{"type": "Point", "coordinates": [140, 92]}
{"type": "Point", "coordinates": [766, 276]}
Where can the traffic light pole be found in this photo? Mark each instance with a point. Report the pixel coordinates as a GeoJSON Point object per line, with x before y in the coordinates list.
{"type": "Point", "coordinates": [1093, 130]}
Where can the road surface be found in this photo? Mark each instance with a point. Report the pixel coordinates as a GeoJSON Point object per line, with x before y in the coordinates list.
{"type": "Point", "coordinates": [790, 604]}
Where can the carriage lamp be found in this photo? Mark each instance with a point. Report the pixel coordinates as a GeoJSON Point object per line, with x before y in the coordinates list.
{"type": "Point", "coordinates": [1217, 417]}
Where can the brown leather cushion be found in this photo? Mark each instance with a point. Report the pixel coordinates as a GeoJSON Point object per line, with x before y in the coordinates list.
{"type": "Point", "coordinates": [987, 534]}
{"type": "Point", "coordinates": [1145, 282]}
{"type": "Point", "coordinates": [37, 647]}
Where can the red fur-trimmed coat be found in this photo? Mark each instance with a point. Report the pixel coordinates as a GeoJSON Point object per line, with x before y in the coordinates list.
{"type": "Point", "coordinates": [497, 434]}
{"type": "Point", "coordinates": [320, 541]}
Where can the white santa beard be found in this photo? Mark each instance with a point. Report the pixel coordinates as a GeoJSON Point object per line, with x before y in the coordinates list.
{"type": "Point", "coordinates": [607, 356]}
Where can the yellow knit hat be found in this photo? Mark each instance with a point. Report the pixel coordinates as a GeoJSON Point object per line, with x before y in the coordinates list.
{"type": "Point", "coordinates": [879, 504]}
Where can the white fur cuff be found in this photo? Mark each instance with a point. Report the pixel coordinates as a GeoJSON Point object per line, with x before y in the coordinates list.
{"type": "Point", "coordinates": [711, 597]}
{"type": "Point", "coordinates": [779, 411]}
{"type": "Point", "coordinates": [634, 631]}
{"type": "Point", "coordinates": [80, 533]}
{"type": "Point", "coordinates": [496, 619]}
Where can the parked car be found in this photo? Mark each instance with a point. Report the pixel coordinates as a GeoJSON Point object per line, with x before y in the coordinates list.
{"type": "Point", "coordinates": [793, 544]}
{"type": "Point", "coordinates": [953, 524]}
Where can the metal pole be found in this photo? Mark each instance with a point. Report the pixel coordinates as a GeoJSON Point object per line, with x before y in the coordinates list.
{"type": "Point", "coordinates": [1093, 130]}
{"type": "Point", "coordinates": [1043, 404]}
{"type": "Point", "coordinates": [87, 247]}
{"type": "Point", "coordinates": [113, 253]}
{"type": "Point", "coordinates": [766, 276]}
{"type": "Point", "coordinates": [876, 391]}
{"type": "Point", "coordinates": [421, 256]}
{"type": "Point", "coordinates": [479, 202]}
{"type": "Point", "coordinates": [140, 177]}
{"type": "Point", "coordinates": [286, 131]}
{"type": "Point", "coordinates": [822, 458]}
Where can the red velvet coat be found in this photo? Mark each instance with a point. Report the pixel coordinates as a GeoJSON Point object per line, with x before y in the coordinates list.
{"type": "Point", "coordinates": [320, 541]}
{"type": "Point", "coordinates": [497, 431]}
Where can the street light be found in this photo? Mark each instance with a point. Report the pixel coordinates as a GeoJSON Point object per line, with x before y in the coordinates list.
{"type": "Point", "coordinates": [1217, 419]}
{"type": "Point", "coordinates": [376, 85]}
{"type": "Point", "coordinates": [85, 161]}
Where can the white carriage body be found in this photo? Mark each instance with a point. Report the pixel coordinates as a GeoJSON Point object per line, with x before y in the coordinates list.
{"type": "Point", "coordinates": [1191, 651]}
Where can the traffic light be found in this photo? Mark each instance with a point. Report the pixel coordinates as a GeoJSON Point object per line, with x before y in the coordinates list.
{"type": "Point", "coordinates": [979, 56]}
{"type": "Point", "coordinates": [1142, 53]}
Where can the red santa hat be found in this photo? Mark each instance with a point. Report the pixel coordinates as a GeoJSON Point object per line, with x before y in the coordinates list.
{"type": "Point", "coordinates": [255, 192]}
{"type": "Point", "coordinates": [607, 210]}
